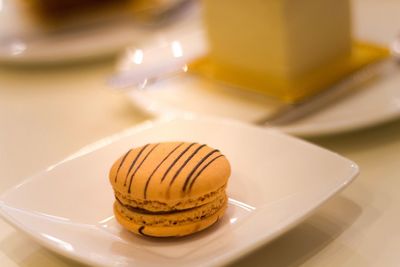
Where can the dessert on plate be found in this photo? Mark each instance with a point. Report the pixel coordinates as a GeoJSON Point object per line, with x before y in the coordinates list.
{"type": "Point", "coordinates": [169, 189]}
{"type": "Point", "coordinates": [286, 49]}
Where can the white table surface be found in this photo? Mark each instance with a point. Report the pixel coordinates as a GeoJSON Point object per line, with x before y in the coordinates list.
{"type": "Point", "coordinates": [48, 113]}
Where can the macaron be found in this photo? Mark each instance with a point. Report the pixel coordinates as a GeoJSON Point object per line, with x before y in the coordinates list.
{"type": "Point", "coordinates": [170, 189]}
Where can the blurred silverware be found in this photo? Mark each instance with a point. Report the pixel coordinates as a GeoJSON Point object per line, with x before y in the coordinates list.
{"type": "Point", "coordinates": [350, 85]}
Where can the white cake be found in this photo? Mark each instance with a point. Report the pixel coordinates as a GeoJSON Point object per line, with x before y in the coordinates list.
{"type": "Point", "coordinates": [279, 38]}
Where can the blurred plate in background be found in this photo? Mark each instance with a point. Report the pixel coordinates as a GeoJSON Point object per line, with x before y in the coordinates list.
{"type": "Point", "coordinates": [25, 40]}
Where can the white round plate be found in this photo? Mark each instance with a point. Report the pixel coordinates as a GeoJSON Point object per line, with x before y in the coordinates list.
{"type": "Point", "coordinates": [68, 207]}
{"type": "Point", "coordinates": [24, 41]}
{"type": "Point", "coordinates": [377, 103]}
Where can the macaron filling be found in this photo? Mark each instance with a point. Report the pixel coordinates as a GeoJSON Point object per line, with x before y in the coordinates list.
{"type": "Point", "coordinates": [169, 218]}
{"type": "Point", "coordinates": [182, 204]}
{"type": "Point", "coordinates": [144, 211]}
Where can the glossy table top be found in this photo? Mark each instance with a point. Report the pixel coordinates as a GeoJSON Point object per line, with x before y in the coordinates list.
{"type": "Point", "coordinates": [48, 113]}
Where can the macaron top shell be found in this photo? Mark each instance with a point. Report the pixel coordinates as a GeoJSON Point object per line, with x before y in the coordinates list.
{"type": "Point", "coordinates": [170, 175]}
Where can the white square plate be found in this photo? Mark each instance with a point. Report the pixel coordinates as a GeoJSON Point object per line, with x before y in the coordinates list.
{"type": "Point", "coordinates": [276, 181]}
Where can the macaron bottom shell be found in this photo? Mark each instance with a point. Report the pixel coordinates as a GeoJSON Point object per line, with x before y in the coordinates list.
{"type": "Point", "coordinates": [169, 231]}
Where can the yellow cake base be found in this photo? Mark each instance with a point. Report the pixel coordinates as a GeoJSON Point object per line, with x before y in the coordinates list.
{"type": "Point", "coordinates": [296, 89]}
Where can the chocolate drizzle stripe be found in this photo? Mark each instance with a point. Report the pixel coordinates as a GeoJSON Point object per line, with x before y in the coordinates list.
{"type": "Point", "coordinates": [141, 230]}
{"type": "Point", "coordinates": [148, 212]}
{"type": "Point", "coordinates": [158, 166]}
{"type": "Point", "coordinates": [185, 163]}
{"type": "Point", "coordinates": [138, 167]}
{"type": "Point", "coordinates": [151, 236]}
{"type": "Point", "coordinates": [142, 233]}
{"type": "Point", "coordinates": [122, 163]}
{"type": "Point", "coordinates": [134, 161]}
{"type": "Point", "coordinates": [196, 167]}
{"type": "Point", "coordinates": [202, 169]}
{"type": "Point", "coordinates": [176, 160]}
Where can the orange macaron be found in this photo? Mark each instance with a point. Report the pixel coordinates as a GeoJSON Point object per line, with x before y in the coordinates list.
{"type": "Point", "coordinates": [170, 189]}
